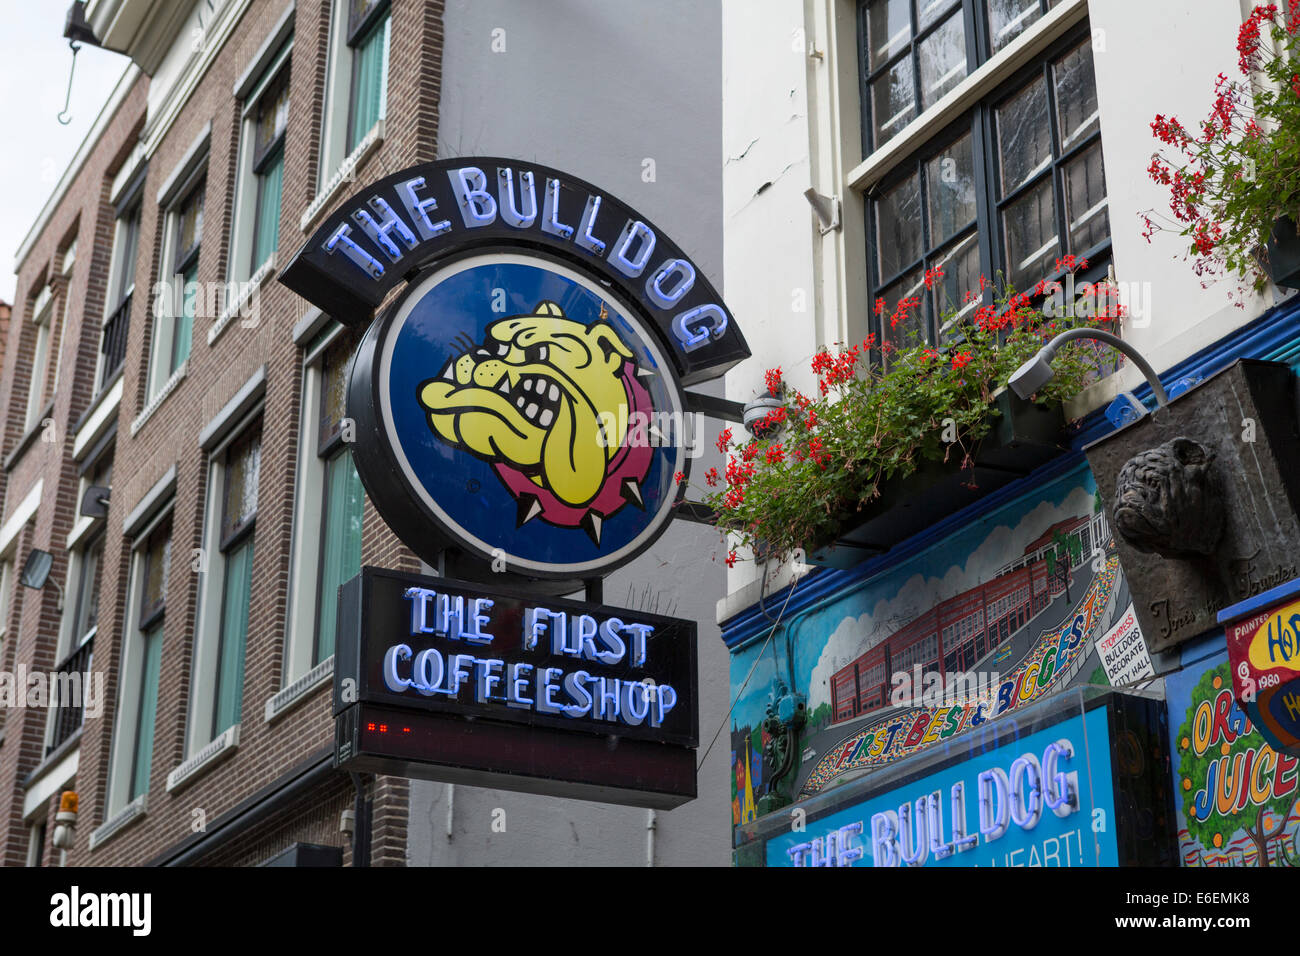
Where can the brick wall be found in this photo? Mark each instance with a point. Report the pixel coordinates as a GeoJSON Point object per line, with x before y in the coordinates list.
{"type": "Point", "coordinates": [170, 437]}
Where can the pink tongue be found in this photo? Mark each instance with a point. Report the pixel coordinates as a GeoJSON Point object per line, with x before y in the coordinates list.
{"type": "Point", "coordinates": [628, 463]}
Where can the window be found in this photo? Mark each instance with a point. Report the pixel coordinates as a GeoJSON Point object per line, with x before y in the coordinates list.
{"type": "Point", "coordinates": [261, 169]}
{"type": "Point", "coordinates": [227, 584]}
{"type": "Point", "coordinates": [357, 92]}
{"type": "Point", "coordinates": [175, 329]}
{"type": "Point", "coordinates": [1008, 189]}
{"type": "Point", "coordinates": [238, 514]}
{"type": "Point", "coordinates": [368, 22]}
{"type": "Point", "coordinates": [912, 52]}
{"type": "Point", "coordinates": [327, 545]}
{"type": "Point", "coordinates": [153, 605]}
{"type": "Point", "coordinates": [141, 664]}
{"type": "Point", "coordinates": [121, 285]}
{"type": "Point", "coordinates": [6, 585]}
{"type": "Point", "coordinates": [36, 841]}
{"type": "Point", "coordinates": [42, 319]}
{"type": "Point", "coordinates": [340, 552]}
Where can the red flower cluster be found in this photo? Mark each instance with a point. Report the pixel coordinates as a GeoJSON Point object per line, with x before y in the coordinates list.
{"type": "Point", "coordinates": [1205, 236]}
{"type": "Point", "coordinates": [1248, 36]}
{"type": "Point", "coordinates": [1170, 131]}
{"type": "Point", "coordinates": [1070, 263]}
{"type": "Point", "coordinates": [711, 476]}
{"type": "Point", "coordinates": [775, 417]}
{"type": "Point", "coordinates": [835, 369]}
{"type": "Point", "coordinates": [731, 559]}
{"type": "Point", "coordinates": [775, 454]}
{"type": "Point", "coordinates": [816, 454]}
{"type": "Point", "coordinates": [932, 276]}
{"type": "Point", "coordinates": [900, 310]}
{"type": "Point", "coordinates": [680, 476]}
{"type": "Point", "coordinates": [773, 379]}
{"type": "Point", "coordinates": [1295, 88]}
{"type": "Point", "coordinates": [961, 360]}
{"type": "Point", "coordinates": [724, 439]}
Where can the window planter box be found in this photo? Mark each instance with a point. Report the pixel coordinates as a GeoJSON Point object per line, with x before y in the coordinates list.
{"type": "Point", "coordinates": [1024, 437]}
{"type": "Point", "coordinates": [1284, 254]}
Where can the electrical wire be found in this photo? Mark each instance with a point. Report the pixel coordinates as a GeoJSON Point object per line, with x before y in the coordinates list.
{"type": "Point", "coordinates": [758, 657]}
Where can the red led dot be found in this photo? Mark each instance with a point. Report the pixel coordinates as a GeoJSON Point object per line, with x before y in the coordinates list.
{"type": "Point", "coordinates": [406, 730]}
{"type": "Point", "coordinates": [383, 728]}
{"type": "Point", "coordinates": [370, 726]}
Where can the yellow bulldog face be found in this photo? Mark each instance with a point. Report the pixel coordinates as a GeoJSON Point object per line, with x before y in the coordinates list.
{"type": "Point", "coordinates": [533, 395]}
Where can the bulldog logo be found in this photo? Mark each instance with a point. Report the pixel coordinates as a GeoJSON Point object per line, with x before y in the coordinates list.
{"type": "Point", "coordinates": [533, 400]}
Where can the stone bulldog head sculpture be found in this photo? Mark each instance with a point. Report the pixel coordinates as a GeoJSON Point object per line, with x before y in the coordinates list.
{"type": "Point", "coordinates": [1168, 500]}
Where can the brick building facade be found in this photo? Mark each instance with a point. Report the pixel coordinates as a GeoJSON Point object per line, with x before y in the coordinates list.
{"type": "Point", "coordinates": [186, 759]}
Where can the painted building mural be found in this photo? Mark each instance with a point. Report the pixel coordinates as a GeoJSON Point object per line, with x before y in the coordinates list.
{"type": "Point", "coordinates": [986, 620]}
{"type": "Point", "coordinates": [1237, 800]}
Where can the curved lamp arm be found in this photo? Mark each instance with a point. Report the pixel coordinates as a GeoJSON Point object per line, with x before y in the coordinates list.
{"type": "Point", "coordinates": [1037, 372]}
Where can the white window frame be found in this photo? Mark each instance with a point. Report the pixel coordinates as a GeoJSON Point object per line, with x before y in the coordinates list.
{"type": "Point", "coordinates": [37, 824]}
{"type": "Point", "coordinates": [338, 92]}
{"type": "Point", "coordinates": [207, 633]}
{"type": "Point", "coordinates": [309, 485]}
{"type": "Point", "coordinates": [240, 267]}
{"type": "Point", "coordinates": [120, 283]}
{"type": "Point", "coordinates": [43, 319]}
{"type": "Point", "coordinates": [6, 587]}
{"type": "Point", "coordinates": [131, 673]}
{"type": "Point", "coordinates": [170, 285]}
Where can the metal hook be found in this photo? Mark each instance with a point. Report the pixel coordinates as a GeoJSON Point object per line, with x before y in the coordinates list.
{"type": "Point", "coordinates": [71, 73]}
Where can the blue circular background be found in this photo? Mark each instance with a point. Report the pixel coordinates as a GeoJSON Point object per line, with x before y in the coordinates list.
{"type": "Point", "coordinates": [465, 486]}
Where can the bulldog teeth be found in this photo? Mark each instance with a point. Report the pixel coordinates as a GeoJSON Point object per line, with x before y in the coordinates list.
{"type": "Point", "coordinates": [528, 385]}
{"type": "Point", "coordinates": [449, 373]}
{"type": "Point", "coordinates": [547, 417]}
{"type": "Point", "coordinates": [555, 392]}
{"type": "Point", "coordinates": [531, 410]}
{"type": "Point", "coordinates": [504, 385]}
{"type": "Point", "coordinates": [519, 402]}
{"type": "Point", "coordinates": [542, 352]}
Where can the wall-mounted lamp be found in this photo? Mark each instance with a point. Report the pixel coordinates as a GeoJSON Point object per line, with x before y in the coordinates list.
{"type": "Point", "coordinates": [756, 416]}
{"type": "Point", "coordinates": [36, 572]}
{"type": "Point", "coordinates": [827, 209]}
{"type": "Point", "coordinates": [1037, 372]}
{"type": "Point", "coordinates": [94, 503]}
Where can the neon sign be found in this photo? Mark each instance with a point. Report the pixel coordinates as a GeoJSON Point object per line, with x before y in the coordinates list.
{"type": "Point", "coordinates": [430, 644]}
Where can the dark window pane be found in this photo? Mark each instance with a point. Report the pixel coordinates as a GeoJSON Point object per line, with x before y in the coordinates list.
{"type": "Point", "coordinates": [272, 115]}
{"type": "Point", "coordinates": [88, 592]}
{"type": "Point", "coordinates": [156, 559]}
{"type": "Point", "coordinates": [889, 28]}
{"type": "Point", "coordinates": [1085, 200]}
{"type": "Point", "coordinates": [950, 189]}
{"type": "Point", "coordinates": [234, 630]}
{"type": "Point", "coordinates": [1076, 95]}
{"type": "Point", "coordinates": [911, 326]}
{"type": "Point", "coordinates": [1029, 224]}
{"type": "Point", "coordinates": [334, 383]}
{"type": "Point", "coordinates": [189, 224]}
{"type": "Point", "coordinates": [942, 59]}
{"type": "Point", "coordinates": [243, 463]}
{"type": "Point", "coordinates": [1024, 136]}
{"type": "Point", "coordinates": [931, 11]}
{"type": "Point", "coordinates": [151, 667]}
{"type": "Point", "coordinates": [340, 544]}
{"type": "Point", "coordinates": [960, 263]}
{"type": "Point", "coordinates": [266, 222]}
{"type": "Point", "coordinates": [898, 227]}
{"type": "Point", "coordinates": [1009, 18]}
{"type": "Point", "coordinates": [893, 101]}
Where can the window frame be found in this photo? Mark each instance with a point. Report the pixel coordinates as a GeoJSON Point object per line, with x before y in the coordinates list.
{"type": "Point", "coordinates": [121, 277]}
{"type": "Point", "coordinates": [337, 117]}
{"type": "Point", "coordinates": [981, 124]}
{"type": "Point", "coordinates": [979, 50]}
{"type": "Point", "coordinates": [253, 162]}
{"type": "Point", "coordinates": [216, 544]}
{"type": "Point", "coordinates": [162, 351]}
{"type": "Point", "coordinates": [42, 317]}
{"type": "Point", "coordinates": [301, 653]}
{"type": "Point", "coordinates": [126, 751]}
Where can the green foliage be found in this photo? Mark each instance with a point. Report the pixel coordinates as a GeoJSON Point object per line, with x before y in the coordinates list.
{"type": "Point", "coordinates": [883, 411]}
{"type": "Point", "coordinates": [1231, 179]}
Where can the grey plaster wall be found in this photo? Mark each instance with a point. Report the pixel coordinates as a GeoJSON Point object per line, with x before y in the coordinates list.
{"type": "Point", "coordinates": [597, 88]}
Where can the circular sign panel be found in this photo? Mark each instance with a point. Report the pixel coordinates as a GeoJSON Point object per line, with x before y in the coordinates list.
{"type": "Point", "coordinates": [520, 411]}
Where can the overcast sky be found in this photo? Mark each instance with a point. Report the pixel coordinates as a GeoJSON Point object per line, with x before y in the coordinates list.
{"type": "Point", "coordinates": [34, 148]}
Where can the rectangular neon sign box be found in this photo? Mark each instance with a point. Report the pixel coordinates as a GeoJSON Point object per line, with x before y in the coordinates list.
{"type": "Point", "coordinates": [445, 679]}
{"type": "Point", "coordinates": [1085, 789]}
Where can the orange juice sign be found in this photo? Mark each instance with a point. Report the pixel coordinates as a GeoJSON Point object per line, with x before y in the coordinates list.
{"type": "Point", "coordinates": [1264, 651]}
